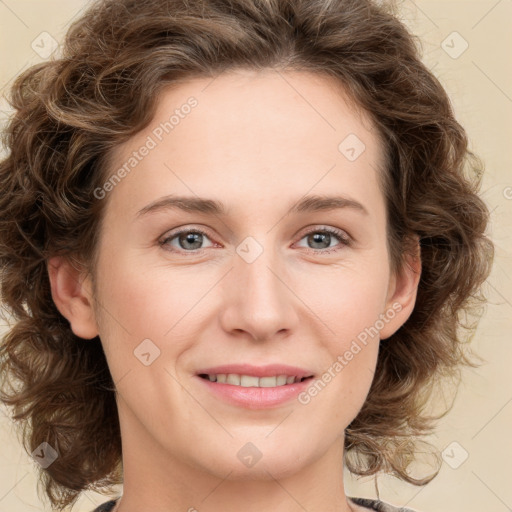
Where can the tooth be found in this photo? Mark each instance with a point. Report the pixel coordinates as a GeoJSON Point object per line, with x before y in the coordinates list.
{"type": "Point", "coordinates": [281, 380]}
{"type": "Point", "coordinates": [268, 382]}
{"type": "Point", "coordinates": [248, 381]}
{"type": "Point", "coordinates": [233, 378]}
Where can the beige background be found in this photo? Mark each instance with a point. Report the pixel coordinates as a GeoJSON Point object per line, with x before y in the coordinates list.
{"type": "Point", "coordinates": [479, 82]}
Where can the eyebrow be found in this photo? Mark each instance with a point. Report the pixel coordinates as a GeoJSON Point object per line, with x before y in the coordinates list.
{"type": "Point", "coordinates": [312, 203]}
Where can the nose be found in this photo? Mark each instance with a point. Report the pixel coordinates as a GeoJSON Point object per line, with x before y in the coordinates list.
{"type": "Point", "coordinates": [259, 302]}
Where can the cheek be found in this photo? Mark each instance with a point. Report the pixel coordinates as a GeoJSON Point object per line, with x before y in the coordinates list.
{"type": "Point", "coordinates": [156, 304]}
{"type": "Point", "coordinates": [349, 305]}
{"type": "Point", "coordinates": [346, 378]}
{"type": "Point", "coordinates": [141, 299]}
{"type": "Point", "coordinates": [346, 299]}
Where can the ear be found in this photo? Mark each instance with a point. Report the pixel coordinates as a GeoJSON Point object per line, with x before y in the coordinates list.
{"type": "Point", "coordinates": [72, 293]}
{"type": "Point", "coordinates": [402, 291]}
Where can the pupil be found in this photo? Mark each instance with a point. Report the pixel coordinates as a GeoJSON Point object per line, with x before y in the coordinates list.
{"type": "Point", "coordinates": [321, 238]}
{"type": "Point", "coordinates": [192, 238]}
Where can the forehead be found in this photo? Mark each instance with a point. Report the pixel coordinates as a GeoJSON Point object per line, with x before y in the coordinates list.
{"type": "Point", "coordinates": [262, 102]}
{"type": "Point", "coordinates": [251, 129]}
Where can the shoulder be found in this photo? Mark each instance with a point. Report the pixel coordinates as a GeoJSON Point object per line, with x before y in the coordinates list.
{"type": "Point", "coordinates": [106, 507]}
{"type": "Point", "coordinates": [378, 506]}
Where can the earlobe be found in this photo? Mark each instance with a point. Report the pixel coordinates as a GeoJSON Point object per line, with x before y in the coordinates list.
{"type": "Point", "coordinates": [72, 294]}
{"type": "Point", "coordinates": [402, 291]}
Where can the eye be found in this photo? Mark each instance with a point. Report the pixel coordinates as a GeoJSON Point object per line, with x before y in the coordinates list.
{"type": "Point", "coordinates": [191, 240]}
{"type": "Point", "coordinates": [187, 240]}
{"type": "Point", "coordinates": [321, 239]}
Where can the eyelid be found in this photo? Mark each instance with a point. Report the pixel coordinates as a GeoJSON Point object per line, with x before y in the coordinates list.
{"type": "Point", "coordinates": [325, 227]}
{"type": "Point", "coordinates": [345, 239]}
{"type": "Point", "coordinates": [169, 235]}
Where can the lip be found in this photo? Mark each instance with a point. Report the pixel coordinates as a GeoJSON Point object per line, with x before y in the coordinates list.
{"type": "Point", "coordinates": [258, 371]}
{"type": "Point", "coordinates": [253, 397]}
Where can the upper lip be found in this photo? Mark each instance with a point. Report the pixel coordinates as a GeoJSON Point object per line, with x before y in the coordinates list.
{"type": "Point", "coordinates": [269, 370]}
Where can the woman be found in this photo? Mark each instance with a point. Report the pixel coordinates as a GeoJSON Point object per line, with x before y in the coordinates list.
{"type": "Point", "coordinates": [316, 169]}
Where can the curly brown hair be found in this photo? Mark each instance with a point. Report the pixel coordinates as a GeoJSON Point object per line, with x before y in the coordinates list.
{"type": "Point", "coordinates": [69, 114]}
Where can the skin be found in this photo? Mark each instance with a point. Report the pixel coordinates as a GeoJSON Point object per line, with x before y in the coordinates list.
{"type": "Point", "coordinates": [258, 142]}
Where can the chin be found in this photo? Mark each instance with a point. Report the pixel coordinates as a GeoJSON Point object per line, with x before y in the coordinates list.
{"type": "Point", "coordinates": [272, 468]}
{"type": "Point", "coordinates": [263, 459]}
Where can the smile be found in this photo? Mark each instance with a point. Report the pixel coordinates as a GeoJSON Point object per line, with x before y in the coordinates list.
{"type": "Point", "coordinates": [254, 387]}
{"type": "Point", "coordinates": [252, 381]}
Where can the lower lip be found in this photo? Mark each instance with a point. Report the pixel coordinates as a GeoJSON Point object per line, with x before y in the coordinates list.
{"type": "Point", "coordinates": [256, 398]}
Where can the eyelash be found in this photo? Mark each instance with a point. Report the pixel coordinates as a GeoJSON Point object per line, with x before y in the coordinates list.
{"type": "Point", "coordinates": [344, 240]}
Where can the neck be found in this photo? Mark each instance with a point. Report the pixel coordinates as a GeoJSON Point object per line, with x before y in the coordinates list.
{"type": "Point", "coordinates": [154, 479]}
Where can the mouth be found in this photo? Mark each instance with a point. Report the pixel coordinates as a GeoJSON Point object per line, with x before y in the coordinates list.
{"type": "Point", "coordinates": [253, 381]}
{"type": "Point", "coordinates": [253, 387]}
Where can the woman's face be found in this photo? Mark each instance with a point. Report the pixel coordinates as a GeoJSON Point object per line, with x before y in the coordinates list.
{"type": "Point", "coordinates": [281, 280]}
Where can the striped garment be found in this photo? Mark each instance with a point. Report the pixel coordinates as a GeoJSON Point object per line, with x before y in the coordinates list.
{"type": "Point", "coordinates": [376, 505]}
